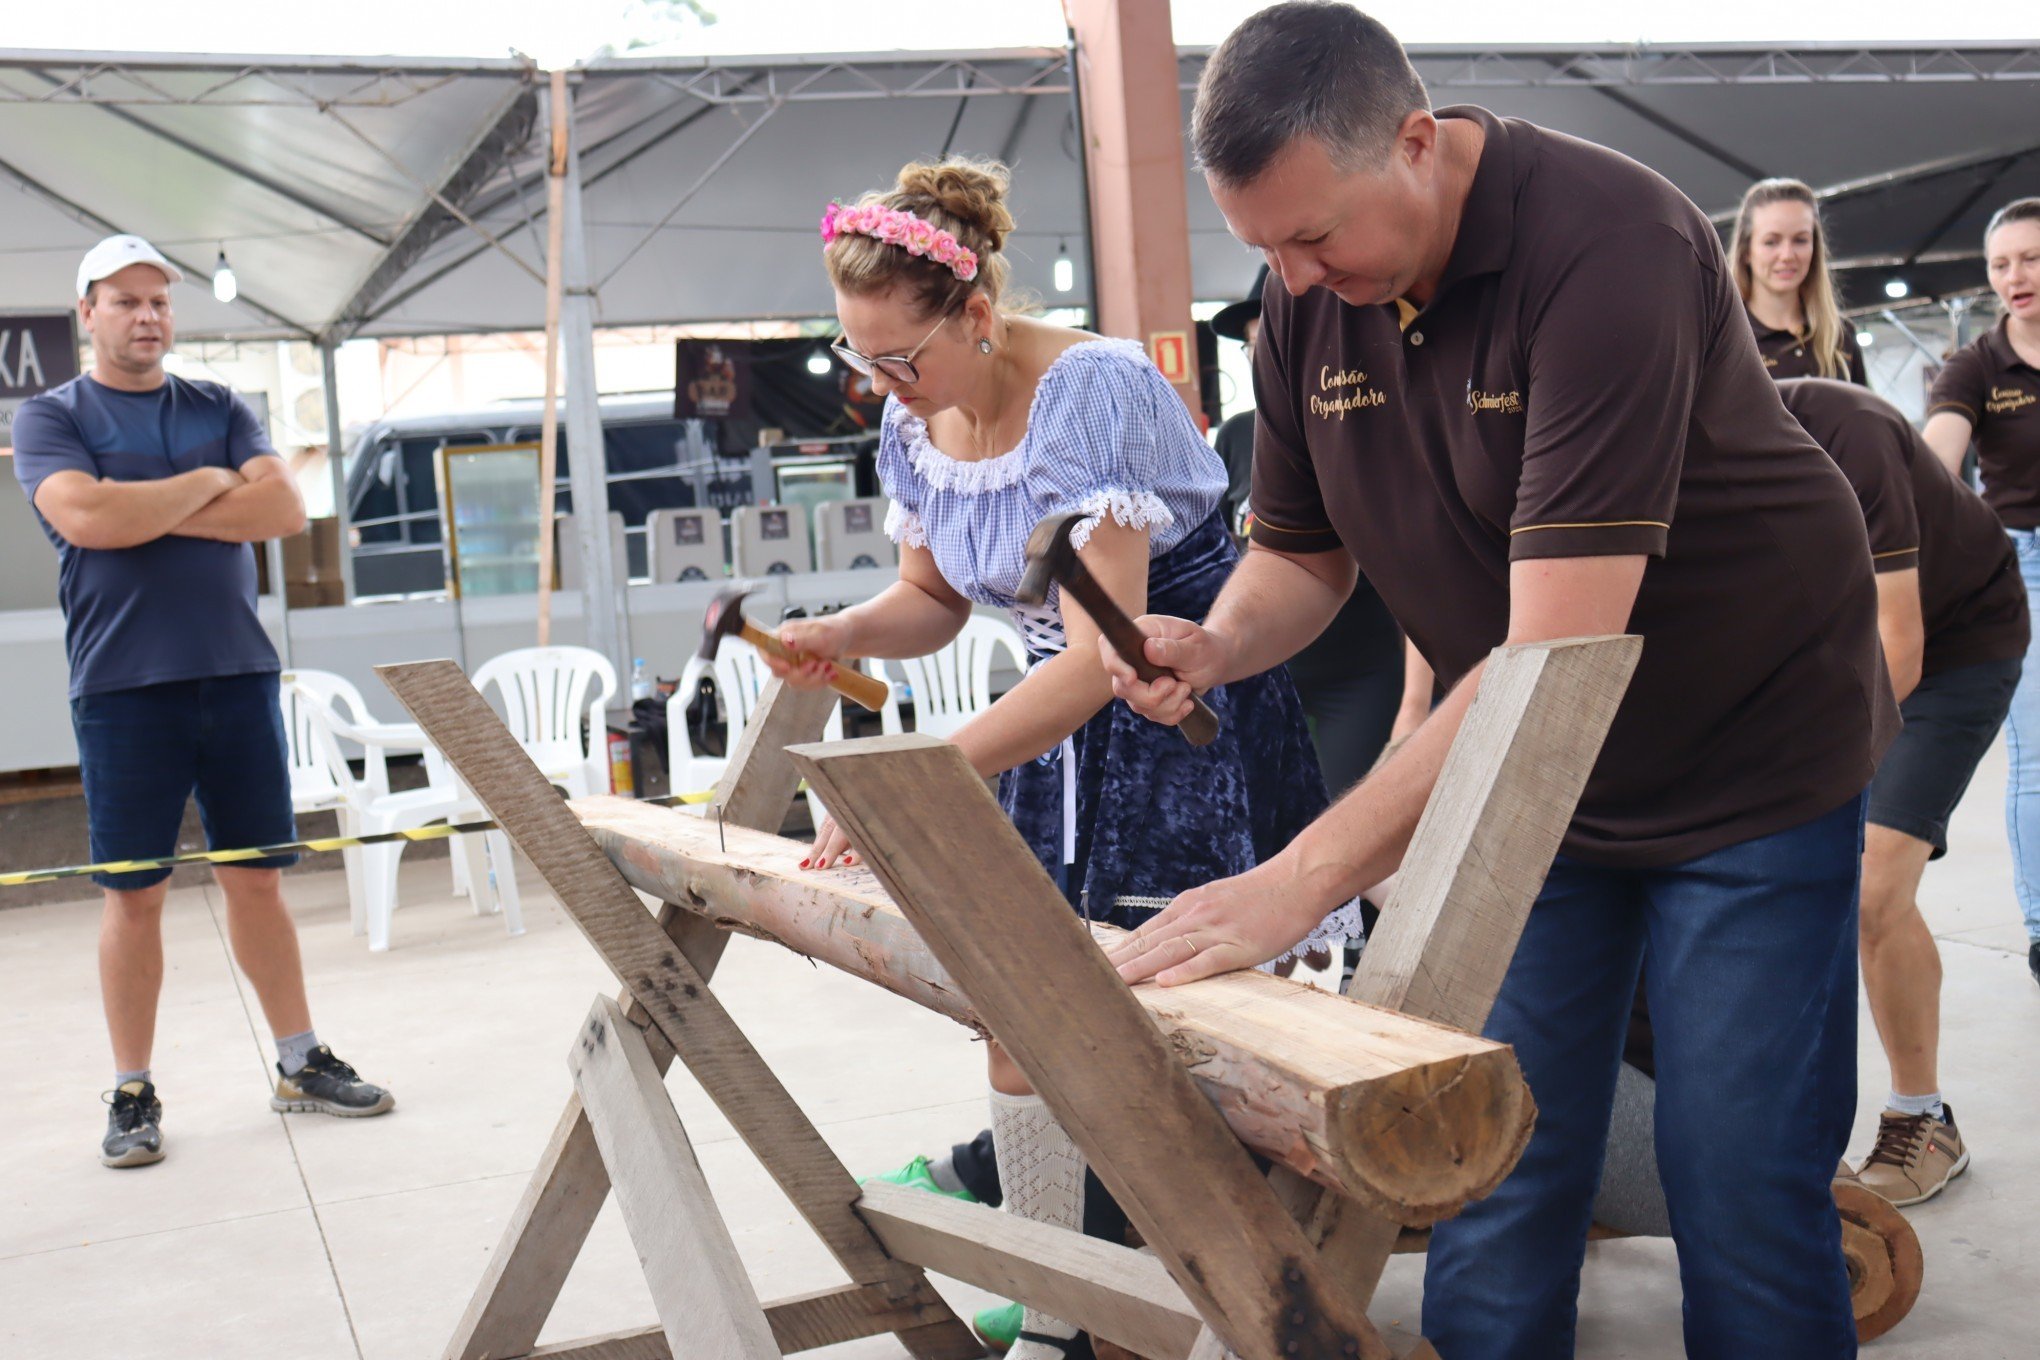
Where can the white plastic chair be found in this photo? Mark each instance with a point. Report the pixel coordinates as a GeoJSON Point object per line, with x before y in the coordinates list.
{"type": "Point", "coordinates": [367, 807]}
{"type": "Point", "coordinates": [740, 678]}
{"type": "Point", "coordinates": [545, 694]}
{"type": "Point", "coordinates": [954, 685]}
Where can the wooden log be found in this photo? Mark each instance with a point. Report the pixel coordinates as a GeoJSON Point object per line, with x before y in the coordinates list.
{"type": "Point", "coordinates": [1411, 1118]}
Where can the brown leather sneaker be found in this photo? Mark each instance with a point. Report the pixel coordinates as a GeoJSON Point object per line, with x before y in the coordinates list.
{"type": "Point", "coordinates": [1915, 1156]}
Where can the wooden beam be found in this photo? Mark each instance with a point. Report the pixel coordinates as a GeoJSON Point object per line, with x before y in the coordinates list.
{"type": "Point", "coordinates": [804, 1322]}
{"type": "Point", "coordinates": [664, 982]}
{"type": "Point", "coordinates": [989, 913]}
{"type": "Point", "coordinates": [1410, 1118]}
{"type": "Point", "coordinates": [759, 783]}
{"type": "Point", "coordinates": [699, 1286]}
{"type": "Point", "coordinates": [553, 1218]}
{"type": "Point", "coordinates": [1503, 801]}
{"type": "Point", "coordinates": [1122, 1295]}
{"type": "Point", "coordinates": [1478, 859]}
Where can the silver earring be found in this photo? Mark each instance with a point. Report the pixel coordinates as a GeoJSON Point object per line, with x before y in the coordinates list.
{"type": "Point", "coordinates": [984, 346]}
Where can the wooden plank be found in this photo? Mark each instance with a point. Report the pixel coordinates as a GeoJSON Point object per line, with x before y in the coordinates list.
{"type": "Point", "coordinates": [1411, 1118]}
{"type": "Point", "coordinates": [758, 785]}
{"type": "Point", "coordinates": [988, 911]}
{"type": "Point", "coordinates": [1122, 1295]}
{"type": "Point", "coordinates": [545, 1233]}
{"type": "Point", "coordinates": [1501, 806]}
{"type": "Point", "coordinates": [558, 1208]}
{"type": "Point", "coordinates": [644, 1343]}
{"type": "Point", "coordinates": [700, 1288]}
{"type": "Point", "coordinates": [1475, 865]}
{"type": "Point", "coordinates": [660, 978]}
{"type": "Point", "coordinates": [825, 1317]}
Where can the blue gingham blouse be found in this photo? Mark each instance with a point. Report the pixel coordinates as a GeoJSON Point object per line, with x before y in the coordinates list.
{"type": "Point", "coordinates": [1106, 434]}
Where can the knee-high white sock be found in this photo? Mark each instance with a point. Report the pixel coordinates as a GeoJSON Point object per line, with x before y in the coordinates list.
{"type": "Point", "coordinates": [1041, 1175]}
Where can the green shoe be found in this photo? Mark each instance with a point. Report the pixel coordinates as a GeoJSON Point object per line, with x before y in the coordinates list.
{"type": "Point", "coordinates": [998, 1327]}
{"type": "Point", "coordinates": [916, 1176]}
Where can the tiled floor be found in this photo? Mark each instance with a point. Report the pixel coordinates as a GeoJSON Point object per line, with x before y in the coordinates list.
{"type": "Point", "coordinates": [326, 1239]}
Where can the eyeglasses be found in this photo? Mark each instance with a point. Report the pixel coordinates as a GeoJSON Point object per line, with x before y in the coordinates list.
{"type": "Point", "coordinates": [897, 368]}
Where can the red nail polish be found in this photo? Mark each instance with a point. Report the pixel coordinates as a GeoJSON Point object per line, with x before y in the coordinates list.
{"type": "Point", "coordinates": [803, 864]}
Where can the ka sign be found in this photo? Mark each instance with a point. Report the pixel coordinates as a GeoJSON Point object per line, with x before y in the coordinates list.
{"type": "Point", "coordinates": [36, 354]}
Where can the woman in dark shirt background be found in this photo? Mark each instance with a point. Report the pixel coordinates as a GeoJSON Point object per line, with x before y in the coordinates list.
{"type": "Point", "coordinates": [1780, 256]}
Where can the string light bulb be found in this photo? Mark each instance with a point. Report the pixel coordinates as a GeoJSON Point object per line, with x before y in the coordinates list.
{"type": "Point", "coordinates": [1065, 269]}
{"type": "Point", "coordinates": [224, 285]}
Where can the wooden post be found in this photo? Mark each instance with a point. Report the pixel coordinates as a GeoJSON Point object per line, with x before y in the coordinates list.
{"type": "Point", "coordinates": [988, 911]}
{"type": "Point", "coordinates": [552, 1221]}
{"type": "Point", "coordinates": [549, 423]}
{"type": "Point", "coordinates": [1475, 865]}
{"type": "Point", "coordinates": [704, 1298]}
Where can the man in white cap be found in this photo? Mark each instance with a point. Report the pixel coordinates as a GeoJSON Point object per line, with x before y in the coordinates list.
{"type": "Point", "coordinates": [151, 488]}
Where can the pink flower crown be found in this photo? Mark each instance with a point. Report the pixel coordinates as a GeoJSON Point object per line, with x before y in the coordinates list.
{"type": "Point", "coordinates": [897, 227]}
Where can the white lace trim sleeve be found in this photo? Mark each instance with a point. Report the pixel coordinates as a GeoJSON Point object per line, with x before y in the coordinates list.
{"type": "Point", "coordinates": [904, 527]}
{"type": "Point", "coordinates": [1132, 509]}
{"type": "Point", "coordinates": [1343, 924]}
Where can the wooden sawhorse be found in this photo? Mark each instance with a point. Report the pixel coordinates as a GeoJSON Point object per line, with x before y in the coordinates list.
{"type": "Point", "coordinates": [1270, 1267]}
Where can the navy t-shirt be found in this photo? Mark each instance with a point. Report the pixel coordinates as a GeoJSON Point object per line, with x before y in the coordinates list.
{"type": "Point", "coordinates": [173, 609]}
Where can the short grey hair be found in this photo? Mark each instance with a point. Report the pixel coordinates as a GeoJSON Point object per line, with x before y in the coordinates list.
{"type": "Point", "coordinates": [1307, 68]}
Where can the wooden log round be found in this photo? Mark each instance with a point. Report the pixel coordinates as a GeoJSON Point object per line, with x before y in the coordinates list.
{"type": "Point", "coordinates": [1885, 1263]}
{"type": "Point", "coordinates": [1407, 1117]}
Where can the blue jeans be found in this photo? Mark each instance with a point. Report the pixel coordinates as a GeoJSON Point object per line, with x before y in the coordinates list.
{"type": "Point", "coordinates": [2022, 747]}
{"type": "Point", "coordinates": [1751, 953]}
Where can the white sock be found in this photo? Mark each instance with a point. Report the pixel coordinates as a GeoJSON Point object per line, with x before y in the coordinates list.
{"type": "Point", "coordinates": [1929, 1103]}
{"type": "Point", "coordinates": [1041, 1175]}
{"type": "Point", "coordinates": [293, 1049]}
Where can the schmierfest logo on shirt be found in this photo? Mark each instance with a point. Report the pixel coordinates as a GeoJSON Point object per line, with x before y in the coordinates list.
{"type": "Point", "coordinates": [2004, 400]}
{"type": "Point", "coordinates": [1508, 403]}
{"type": "Point", "coordinates": [1348, 392]}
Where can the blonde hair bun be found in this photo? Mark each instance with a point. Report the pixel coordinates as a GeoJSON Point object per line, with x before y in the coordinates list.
{"type": "Point", "coordinates": [971, 191]}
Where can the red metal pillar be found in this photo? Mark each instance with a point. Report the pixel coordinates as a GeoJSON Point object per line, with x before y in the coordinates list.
{"type": "Point", "coordinates": [1140, 214]}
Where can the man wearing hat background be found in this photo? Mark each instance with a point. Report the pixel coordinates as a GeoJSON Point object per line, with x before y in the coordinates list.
{"type": "Point", "coordinates": [1351, 676]}
{"type": "Point", "coordinates": [151, 488]}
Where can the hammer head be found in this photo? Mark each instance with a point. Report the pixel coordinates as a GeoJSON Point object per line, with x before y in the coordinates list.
{"type": "Point", "coordinates": [725, 618]}
{"type": "Point", "coordinates": [1049, 557]}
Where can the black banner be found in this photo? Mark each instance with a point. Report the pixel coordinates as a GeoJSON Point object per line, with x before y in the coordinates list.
{"type": "Point", "coordinates": [36, 354]}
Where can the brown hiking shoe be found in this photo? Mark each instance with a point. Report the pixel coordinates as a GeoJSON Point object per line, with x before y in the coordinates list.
{"type": "Point", "coordinates": [1915, 1156]}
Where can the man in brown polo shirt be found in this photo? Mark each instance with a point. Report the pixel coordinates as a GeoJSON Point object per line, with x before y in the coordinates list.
{"type": "Point", "coordinates": [1952, 616]}
{"type": "Point", "coordinates": [1508, 372]}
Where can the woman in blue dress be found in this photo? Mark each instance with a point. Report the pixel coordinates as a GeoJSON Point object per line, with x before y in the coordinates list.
{"type": "Point", "coordinates": [993, 422]}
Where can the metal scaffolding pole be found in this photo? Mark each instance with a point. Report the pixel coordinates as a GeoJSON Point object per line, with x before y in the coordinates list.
{"type": "Point", "coordinates": [336, 465]}
{"type": "Point", "coordinates": [587, 464]}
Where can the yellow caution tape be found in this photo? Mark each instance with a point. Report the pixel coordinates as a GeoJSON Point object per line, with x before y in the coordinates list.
{"type": "Point", "coordinates": [324, 845]}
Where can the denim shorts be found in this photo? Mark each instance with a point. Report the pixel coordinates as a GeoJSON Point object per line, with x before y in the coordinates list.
{"type": "Point", "coordinates": [1951, 718]}
{"type": "Point", "coordinates": [144, 751]}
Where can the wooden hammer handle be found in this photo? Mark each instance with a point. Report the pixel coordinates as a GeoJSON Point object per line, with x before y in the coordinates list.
{"type": "Point", "coordinates": [868, 691]}
{"type": "Point", "coordinates": [1200, 726]}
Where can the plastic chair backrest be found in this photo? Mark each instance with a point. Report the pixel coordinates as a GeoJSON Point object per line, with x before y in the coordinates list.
{"type": "Point", "coordinates": [318, 766]}
{"type": "Point", "coordinates": [545, 694]}
{"type": "Point", "coordinates": [954, 685]}
{"type": "Point", "coordinates": [740, 677]}
{"type": "Point", "coordinates": [304, 696]}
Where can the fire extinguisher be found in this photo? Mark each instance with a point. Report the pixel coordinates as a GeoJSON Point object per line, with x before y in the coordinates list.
{"type": "Point", "coordinates": [620, 780]}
